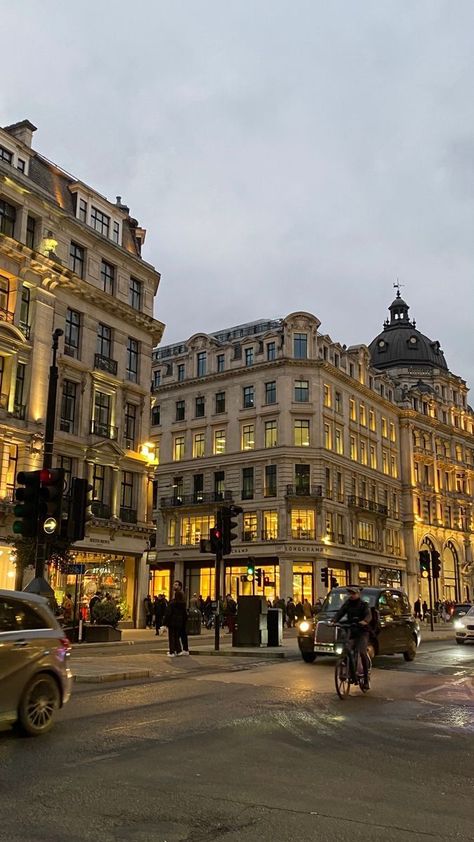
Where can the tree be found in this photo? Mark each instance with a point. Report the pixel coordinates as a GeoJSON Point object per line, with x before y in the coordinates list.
{"type": "Point", "coordinates": [25, 550]}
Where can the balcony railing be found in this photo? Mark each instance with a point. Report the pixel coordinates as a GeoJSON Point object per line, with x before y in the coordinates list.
{"type": "Point", "coordinates": [128, 515]}
{"type": "Point", "coordinates": [269, 535]}
{"type": "Point", "coordinates": [248, 537]}
{"type": "Point", "coordinates": [100, 510]}
{"type": "Point", "coordinates": [106, 431]}
{"type": "Point", "coordinates": [198, 498]}
{"type": "Point", "coordinates": [25, 329]}
{"type": "Point", "coordinates": [66, 425]}
{"type": "Point", "coordinates": [367, 545]}
{"type": "Point", "coordinates": [6, 315]}
{"type": "Point", "coordinates": [368, 505]}
{"type": "Point", "coordinates": [304, 491]}
{"type": "Point", "coordinates": [71, 351]}
{"type": "Point", "coordinates": [246, 494]}
{"type": "Point", "coordinates": [19, 411]}
{"type": "Point", "coordinates": [303, 534]}
{"type": "Point", "coordinates": [102, 363]}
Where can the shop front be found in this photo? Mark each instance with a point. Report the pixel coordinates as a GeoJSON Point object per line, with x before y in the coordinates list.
{"type": "Point", "coordinates": [161, 578]}
{"type": "Point", "coordinates": [7, 567]}
{"type": "Point", "coordinates": [390, 578]}
{"type": "Point", "coordinates": [339, 572]}
{"type": "Point", "coordinates": [303, 582]}
{"type": "Point", "coordinates": [237, 583]}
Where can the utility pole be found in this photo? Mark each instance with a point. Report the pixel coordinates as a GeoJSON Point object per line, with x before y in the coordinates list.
{"type": "Point", "coordinates": [217, 577]}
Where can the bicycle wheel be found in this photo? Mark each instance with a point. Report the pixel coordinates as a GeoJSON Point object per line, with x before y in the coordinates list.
{"type": "Point", "coordinates": [342, 677]}
{"type": "Point", "coordinates": [360, 676]}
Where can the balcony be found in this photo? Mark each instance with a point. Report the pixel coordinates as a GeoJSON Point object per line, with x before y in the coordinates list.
{"type": "Point", "coordinates": [102, 363]}
{"type": "Point", "coordinates": [6, 315]}
{"type": "Point", "coordinates": [304, 491]}
{"type": "Point", "coordinates": [367, 545]}
{"type": "Point", "coordinates": [101, 510]}
{"type": "Point", "coordinates": [19, 411]}
{"type": "Point", "coordinates": [71, 351]}
{"type": "Point", "coordinates": [303, 534]}
{"type": "Point", "coordinates": [25, 329]}
{"type": "Point", "coordinates": [105, 431]}
{"type": "Point", "coordinates": [368, 505]}
{"type": "Point", "coordinates": [199, 498]}
{"type": "Point", "coordinates": [128, 515]}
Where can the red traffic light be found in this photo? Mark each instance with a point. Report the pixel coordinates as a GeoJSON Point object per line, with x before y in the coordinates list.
{"type": "Point", "coordinates": [49, 476]}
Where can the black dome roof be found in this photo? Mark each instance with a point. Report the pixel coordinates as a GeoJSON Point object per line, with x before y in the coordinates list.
{"type": "Point", "coordinates": [400, 343]}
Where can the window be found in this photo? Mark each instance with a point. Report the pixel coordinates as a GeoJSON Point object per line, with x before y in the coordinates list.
{"type": "Point", "coordinates": [30, 232]}
{"type": "Point", "coordinates": [249, 526]}
{"type": "Point", "coordinates": [201, 363]}
{"type": "Point", "coordinates": [373, 457]}
{"type": "Point", "coordinates": [220, 362]}
{"type": "Point", "coordinates": [339, 441]}
{"type": "Point", "coordinates": [194, 528]}
{"type": "Point", "coordinates": [199, 407]}
{"type": "Point", "coordinates": [127, 493]}
{"type": "Point", "coordinates": [362, 415]}
{"type": "Point", "coordinates": [130, 426]}
{"type": "Point", "coordinates": [180, 411]}
{"type": "Point", "coordinates": [19, 387]}
{"type": "Point", "coordinates": [219, 483]}
{"type": "Point", "coordinates": [98, 482]}
{"type": "Point", "coordinates": [6, 155]}
{"type": "Point", "coordinates": [372, 420]}
{"type": "Point", "coordinates": [116, 233]}
{"type": "Point", "coordinates": [270, 392]}
{"type": "Point", "coordinates": [68, 407]}
{"type": "Point", "coordinates": [270, 526]}
{"type": "Point", "coordinates": [82, 210]}
{"type": "Point", "coordinates": [271, 351]}
{"type": "Point", "coordinates": [353, 448]}
{"type": "Point", "coordinates": [156, 415]}
{"type": "Point", "coordinates": [178, 448]}
{"type": "Point", "coordinates": [363, 452]}
{"type": "Point", "coordinates": [25, 308]}
{"type": "Point", "coordinates": [66, 463]}
{"type": "Point", "coordinates": [180, 372]}
{"type": "Point", "coordinates": [270, 486]}
{"type": "Point", "coordinates": [102, 411]}
{"type": "Point", "coordinates": [352, 409]}
{"type": "Point", "coordinates": [248, 397]}
{"type": "Point", "coordinates": [393, 467]}
{"type": "Point", "coordinates": [301, 433]}
{"type": "Point", "coordinates": [327, 395]}
{"type": "Point", "coordinates": [248, 437]}
{"type": "Point", "coordinates": [339, 488]}
{"type": "Point", "coordinates": [132, 360]}
{"type": "Point", "coordinates": [329, 487]}
{"type": "Point", "coordinates": [302, 524]}
{"type": "Point", "coordinates": [301, 391]}
{"type": "Point", "coordinates": [104, 341]}
{"type": "Point", "coordinates": [16, 616]}
{"type": "Point", "coordinates": [327, 437]}
{"type": "Point", "coordinates": [270, 433]}
{"type": "Point", "coordinates": [247, 483]}
{"type": "Point", "coordinates": [220, 402]}
{"type": "Point", "coordinates": [107, 276]}
{"type": "Point", "coordinates": [392, 431]}
{"type": "Point", "coordinates": [198, 487]}
{"type": "Point", "coordinates": [4, 297]}
{"type": "Point", "coordinates": [249, 356]}
{"type": "Point", "coordinates": [384, 428]}
{"type": "Point", "coordinates": [385, 468]}
{"type": "Point", "coordinates": [100, 222]}
{"type": "Point", "coordinates": [7, 218]}
{"type": "Point", "coordinates": [198, 445]}
{"type": "Point", "coordinates": [72, 333]}
{"type": "Point", "coordinates": [338, 402]}
{"type": "Point", "coordinates": [366, 535]}
{"type": "Point", "coordinates": [219, 441]}
{"type": "Point", "coordinates": [135, 294]}
{"type": "Point", "coordinates": [300, 346]}
{"type": "Point", "coordinates": [76, 259]}
{"type": "Point", "coordinates": [302, 479]}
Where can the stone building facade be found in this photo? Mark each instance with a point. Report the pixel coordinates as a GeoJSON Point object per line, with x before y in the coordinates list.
{"type": "Point", "coordinates": [70, 259]}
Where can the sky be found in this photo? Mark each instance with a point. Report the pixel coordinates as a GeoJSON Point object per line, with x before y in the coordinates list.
{"type": "Point", "coordinates": [283, 155]}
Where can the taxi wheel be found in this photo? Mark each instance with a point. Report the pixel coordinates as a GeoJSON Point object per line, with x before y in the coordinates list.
{"type": "Point", "coordinates": [38, 705]}
{"type": "Point", "coordinates": [410, 653]}
{"type": "Point", "coordinates": [308, 657]}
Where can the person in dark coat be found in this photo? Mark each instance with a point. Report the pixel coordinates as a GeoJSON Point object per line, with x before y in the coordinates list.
{"type": "Point", "coordinates": [148, 611]}
{"type": "Point", "coordinates": [159, 610]}
{"type": "Point", "coordinates": [175, 619]}
{"type": "Point", "coordinates": [290, 612]}
{"type": "Point", "coordinates": [417, 608]}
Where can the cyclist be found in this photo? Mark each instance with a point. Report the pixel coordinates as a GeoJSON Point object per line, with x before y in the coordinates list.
{"type": "Point", "coordinates": [359, 616]}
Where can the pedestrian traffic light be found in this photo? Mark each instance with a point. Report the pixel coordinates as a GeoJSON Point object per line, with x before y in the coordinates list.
{"type": "Point", "coordinates": [215, 537]}
{"type": "Point", "coordinates": [79, 509]}
{"type": "Point", "coordinates": [27, 504]}
{"type": "Point", "coordinates": [325, 576]}
{"type": "Point", "coordinates": [228, 525]}
{"type": "Point", "coordinates": [259, 576]}
{"type": "Point", "coordinates": [435, 564]}
{"type": "Point", "coordinates": [250, 570]}
{"type": "Point", "coordinates": [51, 501]}
{"type": "Point", "coordinates": [424, 556]}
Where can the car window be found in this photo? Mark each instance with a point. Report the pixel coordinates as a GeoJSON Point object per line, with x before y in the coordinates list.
{"type": "Point", "coordinates": [18, 616]}
{"type": "Point", "coordinates": [8, 621]}
{"type": "Point", "coordinates": [470, 613]}
{"type": "Point", "coordinates": [395, 604]}
{"type": "Point", "coordinates": [406, 607]}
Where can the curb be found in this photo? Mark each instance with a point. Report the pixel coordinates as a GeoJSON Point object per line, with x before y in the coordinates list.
{"type": "Point", "coordinates": [236, 653]}
{"type": "Point", "coordinates": [111, 676]}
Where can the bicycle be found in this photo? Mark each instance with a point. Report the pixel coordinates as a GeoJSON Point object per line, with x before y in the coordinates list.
{"type": "Point", "coordinates": [347, 671]}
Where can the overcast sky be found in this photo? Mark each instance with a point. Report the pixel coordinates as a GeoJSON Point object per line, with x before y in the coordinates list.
{"type": "Point", "coordinates": [283, 154]}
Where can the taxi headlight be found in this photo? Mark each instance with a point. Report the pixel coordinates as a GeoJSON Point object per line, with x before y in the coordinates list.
{"type": "Point", "coordinates": [458, 624]}
{"type": "Point", "coordinates": [304, 626]}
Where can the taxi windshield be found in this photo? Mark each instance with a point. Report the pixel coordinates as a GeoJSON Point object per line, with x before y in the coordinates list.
{"type": "Point", "coordinates": [336, 599]}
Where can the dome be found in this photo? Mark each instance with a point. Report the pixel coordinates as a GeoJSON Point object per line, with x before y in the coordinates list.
{"type": "Point", "coordinates": [401, 344]}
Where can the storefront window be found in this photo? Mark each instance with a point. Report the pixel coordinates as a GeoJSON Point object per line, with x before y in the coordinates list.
{"type": "Point", "coordinates": [302, 524]}
{"type": "Point", "coordinates": [236, 581]}
{"type": "Point", "coordinates": [194, 528]}
{"type": "Point", "coordinates": [160, 582]}
{"type": "Point", "coordinates": [302, 582]}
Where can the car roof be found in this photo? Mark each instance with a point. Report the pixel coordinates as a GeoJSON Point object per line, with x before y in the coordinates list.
{"type": "Point", "coordinates": [25, 596]}
{"type": "Point", "coordinates": [370, 589]}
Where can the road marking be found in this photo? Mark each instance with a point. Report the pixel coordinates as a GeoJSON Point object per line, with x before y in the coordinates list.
{"type": "Point", "coordinates": [96, 759]}
{"type": "Point", "coordinates": [128, 725]}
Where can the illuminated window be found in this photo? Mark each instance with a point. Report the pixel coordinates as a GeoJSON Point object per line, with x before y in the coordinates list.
{"type": "Point", "coordinates": [352, 409]}
{"type": "Point", "coordinates": [301, 433]}
{"type": "Point", "coordinates": [384, 428]}
{"type": "Point", "coordinates": [373, 456]}
{"type": "Point", "coordinates": [219, 441]}
{"type": "Point", "coordinates": [178, 448]}
{"type": "Point", "coordinates": [366, 535]}
{"type": "Point", "coordinates": [248, 437]}
{"type": "Point", "coordinates": [195, 527]}
{"type": "Point", "coordinates": [339, 441]}
{"type": "Point", "coordinates": [363, 452]}
{"type": "Point", "coordinates": [270, 433]}
{"type": "Point", "coordinates": [327, 395]}
{"type": "Point", "coordinates": [270, 526]}
{"type": "Point", "coordinates": [393, 467]}
{"type": "Point", "coordinates": [362, 415]}
{"type": "Point", "coordinates": [250, 526]}
{"type": "Point", "coordinates": [385, 467]}
{"type": "Point", "coordinates": [353, 448]}
{"type": "Point", "coordinates": [372, 420]}
{"type": "Point", "coordinates": [327, 437]}
{"type": "Point", "coordinates": [198, 445]}
{"type": "Point", "coordinates": [392, 432]}
{"type": "Point", "coordinates": [302, 524]}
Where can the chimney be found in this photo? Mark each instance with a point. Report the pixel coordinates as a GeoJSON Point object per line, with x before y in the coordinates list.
{"type": "Point", "coordinates": [121, 207]}
{"type": "Point", "coordinates": [23, 131]}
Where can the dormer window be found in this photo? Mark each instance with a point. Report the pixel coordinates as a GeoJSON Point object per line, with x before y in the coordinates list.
{"type": "Point", "coordinates": [100, 221]}
{"type": "Point", "coordinates": [82, 210]}
{"type": "Point", "coordinates": [6, 155]}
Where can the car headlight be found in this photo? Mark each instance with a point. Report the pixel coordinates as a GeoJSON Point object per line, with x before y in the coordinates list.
{"type": "Point", "coordinates": [338, 650]}
{"type": "Point", "coordinates": [458, 624]}
{"type": "Point", "coordinates": [304, 626]}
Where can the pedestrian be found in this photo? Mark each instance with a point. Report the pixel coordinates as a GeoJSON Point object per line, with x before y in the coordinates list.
{"type": "Point", "coordinates": [160, 607]}
{"type": "Point", "coordinates": [230, 612]}
{"type": "Point", "coordinates": [68, 609]}
{"type": "Point", "coordinates": [317, 606]}
{"type": "Point", "coordinates": [175, 619]}
{"type": "Point", "coordinates": [417, 608]}
{"type": "Point", "coordinates": [290, 612]}
{"type": "Point", "coordinates": [194, 603]}
{"type": "Point", "coordinates": [148, 611]}
{"type": "Point", "coordinates": [424, 608]}
{"type": "Point", "coordinates": [95, 599]}
{"type": "Point", "coordinates": [207, 612]}
{"type": "Point", "coordinates": [307, 610]}
{"type": "Point", "coordinates": [299, 611]}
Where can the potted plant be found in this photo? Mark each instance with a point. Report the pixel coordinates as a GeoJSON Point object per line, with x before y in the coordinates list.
{"type": "Point", "coordinates": [106, 616]}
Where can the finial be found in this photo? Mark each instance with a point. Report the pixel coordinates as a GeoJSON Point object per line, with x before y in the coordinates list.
{"type": "Point", "coordinates": [397, 285]}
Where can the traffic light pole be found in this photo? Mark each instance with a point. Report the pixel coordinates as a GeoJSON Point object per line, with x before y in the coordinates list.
{"type": "Point", "coordinates": [430, 589]}
{"type": "Point", "coordinates": [217, 577]}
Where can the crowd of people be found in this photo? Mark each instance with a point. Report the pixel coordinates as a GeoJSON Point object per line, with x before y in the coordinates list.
{"type": "Point", "coordinates": [441, 610]}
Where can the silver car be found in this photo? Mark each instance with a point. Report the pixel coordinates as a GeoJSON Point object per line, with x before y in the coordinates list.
{"type": "Point", "coordinates": [35, 678]}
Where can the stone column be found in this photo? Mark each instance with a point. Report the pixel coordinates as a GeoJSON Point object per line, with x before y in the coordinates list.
{"type": "Point", "coordinates": [114, 492]}
{"type": "Point", "coordinates": [286, 578]}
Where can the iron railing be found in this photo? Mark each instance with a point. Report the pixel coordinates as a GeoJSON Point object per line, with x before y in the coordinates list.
{"type": "Point", "coordinates": [197, 498]}
{"type": "Point", "coordinates": [367, 505]}
{"type": "Point", "coordinates": [107, 431]}
{"type": "Point", "coordinates": [102, 363]}
{"type": "Point", "coordinates": [304, 491]}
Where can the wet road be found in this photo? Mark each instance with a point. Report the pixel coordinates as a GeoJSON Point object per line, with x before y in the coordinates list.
{"type": "Point", "coordinates": [241, 750]}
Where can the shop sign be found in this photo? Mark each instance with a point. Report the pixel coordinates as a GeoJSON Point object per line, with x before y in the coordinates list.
{"type": "Point", "coordinates": [299, 548]}
{"type": "Point", "coordinates": [75, 569]}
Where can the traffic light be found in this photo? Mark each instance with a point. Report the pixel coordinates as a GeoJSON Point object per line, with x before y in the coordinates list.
{"type": "Point", "coordinates": [215, 538]}
{"type": "Point", "coordinates": [27, 504]}
{"type": "Point", "coordinates": [435, 564]}
{"type": "Point", "coordinates": [259, 576]}
{"type": "Point", "coordinates": [325, 576]}
{"type": "Point", "coordinates": [51, 501]}
{"type": "Point", "coordinates": [250, 570]}
{"type": "Point", "coordinates": [424, 556]}
{"type": "Point", "coordinates": [334, 582]}
{"type": "Point", "coordinates": [228, 524]}
{"type": "Point", "coordinates": [79, 512]}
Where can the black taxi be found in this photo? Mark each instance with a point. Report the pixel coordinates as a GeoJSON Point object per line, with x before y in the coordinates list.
{"type": "Point", "coordinates": [394, 629]}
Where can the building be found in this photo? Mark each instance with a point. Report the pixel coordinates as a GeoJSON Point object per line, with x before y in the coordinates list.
{"type": "Point", "coordinates": [298, 430]}
{"type": "Point", "coordinates": [70, 259]}
{"type": "Point", "coordinates": [437, 453]}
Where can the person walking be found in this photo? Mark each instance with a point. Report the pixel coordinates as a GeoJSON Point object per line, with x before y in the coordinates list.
{"type": "Point", "coordinates": [425, 609]}
{"type": "Point", "coordinates": [148, 611]}
{"type": "Point", "coordinates": [176, 617]}
{"type": "Point", "coordinates": [230, 612]}
{"type": "Point", "coordinates": [307, 610]}
{"type": "Point", "coordinates": [160, 607]}
{"type": "Point", "coordinates": [95, 599]}
{"type": "Point", "coordinates": [68, 609]}
{"type": "Point", "coordinates": [417, 608]}
{"type": "Point", "coordinates": [290, 612]}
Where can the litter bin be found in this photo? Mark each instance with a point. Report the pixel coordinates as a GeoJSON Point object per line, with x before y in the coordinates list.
{"type": "Point", "coordinates": [194, 622]}
{"type": "Point", "coordinates": [275, 627]}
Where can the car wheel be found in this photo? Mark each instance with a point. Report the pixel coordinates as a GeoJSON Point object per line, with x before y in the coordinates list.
{"type": "Point", "coordinates": [308, 657]}
{"type": "Point", "coordinates": [459, 641]}
{"type": "Point", "coordinates": [410, 653]}
{"type": "Point", "coordinates": [38, 705]}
